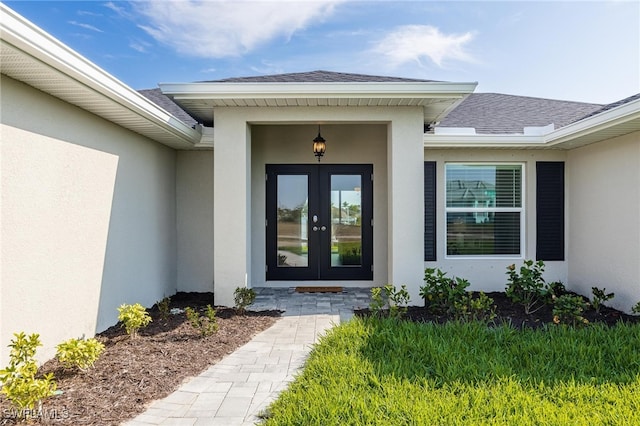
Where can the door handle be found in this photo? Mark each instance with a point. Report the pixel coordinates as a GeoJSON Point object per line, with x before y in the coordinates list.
{"type": "Point", "coordinates": [323, 228]}
{"type": "Point", "coordinates": [315, 228]}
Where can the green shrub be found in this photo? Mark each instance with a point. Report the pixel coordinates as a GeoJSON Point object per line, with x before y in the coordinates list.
{"type": "Point", "coordinates": [378, 301]}
{"type": "Point", "coordinates": [206, 324]}
{"type": "Point", "coordinates": [163, 308]}
{"type": "Point", "coordinates": [636, 308]}
{"type": "Point", "coordinates": [568, 309]}
{"type": "Point", "coordinates": [441, 294]}
{"type": "Point", "coordinates": [19, 382]}
{"type": "Point", "coordinates": [390, 296]}
{"type": "Point", "coordinates": [80, 353]}
{"type": "Point", "coordinates": [243, 297]}
{"type": "Point", "coordinates": [555, 289]}
{"type": "Point", "coordinates": [599, 297]}
{"type": "Point", "coordinates": [398, 300]}
{"type": "Point", "coordinates": [527, 287]}
{"type": "Point", "coordinates": [479, 308]}
{"type": "Point", "coordinates": [133, 317]}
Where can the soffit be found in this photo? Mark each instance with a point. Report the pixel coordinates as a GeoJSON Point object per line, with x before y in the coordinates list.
{"type": "Point", "coordinates": [200, 99]}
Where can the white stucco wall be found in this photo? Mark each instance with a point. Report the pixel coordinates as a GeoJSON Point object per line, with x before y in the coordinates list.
{"type": "Point", "coordinates": [346, 144]}
{"type": "Point", "coordinates": [194, 194]}
{"type": "Point", "coordinates": [87, 219]}
{"type": "Point", "coordinates": [489, 273]}
{"type": "Point", "coordinates": [604, 218]}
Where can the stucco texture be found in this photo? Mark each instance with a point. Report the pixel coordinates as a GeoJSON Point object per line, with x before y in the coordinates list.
{"type": "Point", "coordinates": [87, 219]}
{"type": "Point", "coordinates": [604, 218]}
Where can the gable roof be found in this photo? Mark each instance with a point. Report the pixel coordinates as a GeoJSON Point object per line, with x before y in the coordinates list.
{"type": "Point", "coordinates": [495, 113]}
{"type": "Point", "coordinates": [317, 88]}
{"type": "Point", "coordinates": [319, 76]}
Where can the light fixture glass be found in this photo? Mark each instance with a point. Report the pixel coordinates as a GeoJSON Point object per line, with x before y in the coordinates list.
{"type": "Point", "coordinates": [319, 146]}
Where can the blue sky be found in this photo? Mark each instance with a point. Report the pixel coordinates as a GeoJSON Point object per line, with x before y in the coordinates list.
{"type": "Point", "coordinates": [574, 50]}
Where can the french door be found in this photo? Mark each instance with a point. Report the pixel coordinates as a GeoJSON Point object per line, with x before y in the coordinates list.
{"type": "Point", "coordinates": [319, 223]}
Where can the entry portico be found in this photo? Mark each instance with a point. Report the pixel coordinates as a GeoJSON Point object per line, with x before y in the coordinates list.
{"type": "Point", "coordinates": [255, 123]}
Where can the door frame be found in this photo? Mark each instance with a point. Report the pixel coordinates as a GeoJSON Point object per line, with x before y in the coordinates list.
{"type": "Point", "coordinates": [319, 243]}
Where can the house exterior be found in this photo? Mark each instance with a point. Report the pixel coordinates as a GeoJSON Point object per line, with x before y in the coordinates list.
{"type": "Point", "coordinates": [111, 195]}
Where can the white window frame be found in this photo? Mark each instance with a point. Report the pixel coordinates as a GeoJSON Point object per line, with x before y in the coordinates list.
{"type": "Point", "coordinates": [522, 210]}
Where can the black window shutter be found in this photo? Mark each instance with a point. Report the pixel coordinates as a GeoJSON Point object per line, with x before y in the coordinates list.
{"type": "Point", "coordinates": [430, 210]}
{"type": "Point", "coordinates": [550, 210]}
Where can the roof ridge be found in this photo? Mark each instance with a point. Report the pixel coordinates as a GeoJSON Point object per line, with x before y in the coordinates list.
{"type": "Point", "coordinates": [317, 76]}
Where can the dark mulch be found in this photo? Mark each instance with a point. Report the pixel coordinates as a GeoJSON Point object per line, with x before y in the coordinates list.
{"type": "Point", "coordinates": [509, 313]}
{"type": "Point", "coordinates": [132, 373]}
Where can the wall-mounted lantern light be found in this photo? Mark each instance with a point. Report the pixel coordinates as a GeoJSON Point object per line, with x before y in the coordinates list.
{"type": "Point", "coordinates": [319, 146]}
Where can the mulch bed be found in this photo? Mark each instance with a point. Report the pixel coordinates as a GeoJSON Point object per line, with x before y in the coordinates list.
{"type": "Point", "coordinates": [132, 373]}
{"type": "Point", "coordinates": [509, 313]}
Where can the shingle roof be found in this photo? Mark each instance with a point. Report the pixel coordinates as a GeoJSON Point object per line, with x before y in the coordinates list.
{"type": "Point", "coordinates": [495, 113]}
{"type": "Point", "coordinates": [488, 113]}
{"type": "Point", "coordinates": [611, 106]}
{"type": "Point", "coordinates": [156, 96]}
{"type": "Point", "coordinates": [318, 77]}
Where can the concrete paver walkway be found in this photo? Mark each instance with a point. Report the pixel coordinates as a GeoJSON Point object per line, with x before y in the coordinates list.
{"type": "Point", "coordinates": [236, 389]}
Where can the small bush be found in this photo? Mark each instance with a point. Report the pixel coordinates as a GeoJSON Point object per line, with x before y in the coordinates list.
{"type": "Point", "coordinates": [480, 308]}
{"type": "Point", "coordinates": [555, 289]}
{"type": "Point", "coordinates": [568, 309]}
{"type": "Point", "coordinates": [133, 317]}
{"type": "Point", "coordinates": [527, 287]}
{"type": "Point", "coordinates": [398, 300]}
{"type": "Point", "coordinates": [243, 297]}
{"type": "Point", "coordinates": [599, 297]}
{"type": "Point", "coordinates": [636, 308]}
{"type": "Point", "coordinates": [388, 295]}
{"type": "Point", "coordinates": [441, 294]}
{"type": "Point", "coordinates": [163, 308]}
{"type": "Point", "coordinates": [79, 353]}
{"type": "Point", "coordinates": [19, 381]}
{"type": "Point", "coordinates": [378, 301]}
{"type": "Point", "coordinates": [206, 324]}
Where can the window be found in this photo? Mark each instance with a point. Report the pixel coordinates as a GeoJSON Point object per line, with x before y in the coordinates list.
{"type": "Point", "coordinates": [484, 209]}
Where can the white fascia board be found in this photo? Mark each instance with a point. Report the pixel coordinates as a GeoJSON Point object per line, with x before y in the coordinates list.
{"type": "Point", "coordinates": [24, 35]}
{"type": "Point", "coordinates": [619, 115]}
{"type": "Point", "coordinates": [316, 90]}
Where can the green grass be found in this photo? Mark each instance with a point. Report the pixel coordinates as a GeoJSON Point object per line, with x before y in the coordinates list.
{"type": "Point", "coordinates": [386, 372]}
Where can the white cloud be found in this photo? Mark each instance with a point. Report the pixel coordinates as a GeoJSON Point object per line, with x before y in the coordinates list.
{"type": "Point", "coordinates": [214, 29]}
{"type": "Point", "coordinates": [413, 43]}
{"type": "Point", "coordinates": [120, 11]}
{"type": "Point", "coordinates": [139, 45]}
{"type": "Point", "coordinates": [85, 26]}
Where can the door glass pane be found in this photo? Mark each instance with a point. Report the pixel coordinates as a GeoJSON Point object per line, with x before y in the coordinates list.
{"type": "Point", "coordinates": [293, 212]}
{"type": "Point", "coordinates": [346, 220]}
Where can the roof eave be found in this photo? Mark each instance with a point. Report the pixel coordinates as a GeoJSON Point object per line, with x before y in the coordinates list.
{"type": "Point", "coordinates": [56, 61]}
{"type": "Point", "coordinates": [212, 90]}
{"type": "Point", "coordinates": [618, 121]}
{"type": "Point", "coordinates": [436, 98]}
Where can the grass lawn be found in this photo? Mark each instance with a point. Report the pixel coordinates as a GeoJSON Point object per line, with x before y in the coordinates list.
{"type": "Point", "coordinates": [388, 372]}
